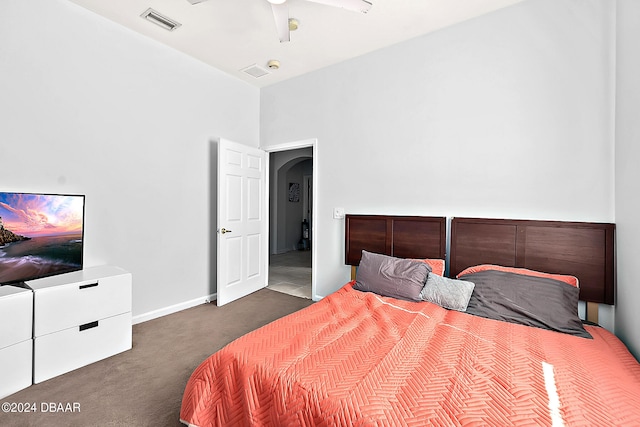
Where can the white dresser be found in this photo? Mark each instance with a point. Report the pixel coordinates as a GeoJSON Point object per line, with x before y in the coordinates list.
{"type": "Point", "coordinates": [79, 318]}
{"type": "Point", "coordinates": [16, 345]}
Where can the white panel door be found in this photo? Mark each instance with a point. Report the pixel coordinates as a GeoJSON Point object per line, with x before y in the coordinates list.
{"type": "Point", "coordinates": [242, 221]}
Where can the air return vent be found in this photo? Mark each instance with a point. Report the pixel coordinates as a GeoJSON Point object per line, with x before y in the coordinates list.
{"type": "Point", "coordinates": [159, 19]}
{"type": "Point", "coordinates": [255, 71]}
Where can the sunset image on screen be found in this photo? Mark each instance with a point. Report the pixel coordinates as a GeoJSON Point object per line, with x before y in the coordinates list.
{"type": "Point", "coordinates": [40, 235]}
{"type": "Point", "coordinates": [34, 215]}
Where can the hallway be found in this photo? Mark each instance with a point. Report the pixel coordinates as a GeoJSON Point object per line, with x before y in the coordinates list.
{"type": "Point", "coordinates": [290, 273]}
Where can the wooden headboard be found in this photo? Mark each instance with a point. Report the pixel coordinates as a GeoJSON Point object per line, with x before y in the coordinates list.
{"type": "Point", "coordinates": [399, 236]}
{"type": "Point", "coordinates": [582, 249]}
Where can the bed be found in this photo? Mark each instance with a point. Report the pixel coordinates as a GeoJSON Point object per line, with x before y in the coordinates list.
{"type": "Point", "coordinates": [362, 358]}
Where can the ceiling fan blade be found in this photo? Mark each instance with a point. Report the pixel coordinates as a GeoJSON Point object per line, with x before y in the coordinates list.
{"type": "Point", "coordinates": [353, 5]}
{"type": "Point", "coordinates": [281, 16]}
{"type": "Point", "coordinates": [196, 1]}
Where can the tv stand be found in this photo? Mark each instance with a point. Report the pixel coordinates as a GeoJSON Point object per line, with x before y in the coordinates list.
{"type": "Point", "coordinates": [16, 343]}
{"type": "Point", "coordinates": [79, 318]}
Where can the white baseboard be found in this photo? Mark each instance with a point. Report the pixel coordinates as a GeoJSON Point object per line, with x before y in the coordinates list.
{"type": "Point", "coordinates": [172, 309]}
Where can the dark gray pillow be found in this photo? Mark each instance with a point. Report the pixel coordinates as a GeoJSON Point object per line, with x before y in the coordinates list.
{"type": "Point", "coordinates": [391, 277]}
{"type": "Point", "coordinates": [526, 300]}
{"type": "Point", "coordinates": [448, 293]}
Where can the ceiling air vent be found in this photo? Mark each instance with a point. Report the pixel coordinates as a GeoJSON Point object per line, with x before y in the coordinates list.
{"type": "Point", "coordinates": [255, 71]}
{"type": "Point", "coordinates": [159, 19]}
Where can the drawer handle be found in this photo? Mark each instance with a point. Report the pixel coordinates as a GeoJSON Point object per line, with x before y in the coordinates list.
{"type": "Point", "coordinates": [88, 326]}
{"type": "Point", "coordinates": [90, 285]}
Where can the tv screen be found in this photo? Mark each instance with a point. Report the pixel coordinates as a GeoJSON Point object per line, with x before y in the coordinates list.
{"type": "Point", "coordinates": [40, 235]}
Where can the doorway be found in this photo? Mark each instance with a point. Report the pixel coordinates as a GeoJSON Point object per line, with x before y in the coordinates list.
{"type": "Point", "coordinates": [291, 219]}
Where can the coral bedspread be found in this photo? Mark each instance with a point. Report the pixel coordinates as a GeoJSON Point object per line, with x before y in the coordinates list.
{"type": "Point", "coordinates": [361, 359]}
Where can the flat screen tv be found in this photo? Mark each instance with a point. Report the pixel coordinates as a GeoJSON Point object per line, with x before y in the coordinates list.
{"type": "Point", "coordinates": [40, 235]}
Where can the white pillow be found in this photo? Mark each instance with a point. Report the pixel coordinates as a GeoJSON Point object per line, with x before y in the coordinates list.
{"type": "Point", "coordinates": [452, 294]}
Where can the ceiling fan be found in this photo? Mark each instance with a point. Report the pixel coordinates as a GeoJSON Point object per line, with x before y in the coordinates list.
{"type": "Point", "coordinates": [280, 10]}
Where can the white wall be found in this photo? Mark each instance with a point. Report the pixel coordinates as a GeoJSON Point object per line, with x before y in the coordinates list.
{"type": "Point", "coordinates": [89, 107]}
{"type": "Point", "coordinates": [507, 115]}
{"type": "Point", "coordinates": [628, 173]}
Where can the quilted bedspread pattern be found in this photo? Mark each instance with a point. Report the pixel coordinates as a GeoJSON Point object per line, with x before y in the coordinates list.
{"type": "Point", "coordinates": [359, 359]}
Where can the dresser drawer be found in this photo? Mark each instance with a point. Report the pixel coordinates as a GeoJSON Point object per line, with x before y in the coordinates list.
{"type": "Point", "coordinates": [16, 315]}
{"type": "Point", "coordinates": [65, 306]}
{"type": "Point", "coordinates": [57, 353]}
{"type": "Point", "coordinates": [15, 367]}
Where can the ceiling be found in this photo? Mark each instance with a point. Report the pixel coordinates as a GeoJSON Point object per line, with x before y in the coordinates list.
{"type": "Point", "coordinates": [233, 35]}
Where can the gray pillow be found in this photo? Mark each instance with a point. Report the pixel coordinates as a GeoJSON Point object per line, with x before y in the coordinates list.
{"type": "Point", "coordinates": [452, 294]}
{"type": "Point", "coordinates": [391, 277]}
{"type": "Point", "coordinates": [526, 300]}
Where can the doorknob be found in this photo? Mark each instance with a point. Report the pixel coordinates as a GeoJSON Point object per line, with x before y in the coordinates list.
{"type": "Point", "coordinates": [224, 230]}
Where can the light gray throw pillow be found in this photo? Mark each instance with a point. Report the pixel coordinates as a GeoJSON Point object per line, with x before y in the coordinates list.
{"type": "Point", "coordinates": [452, 294]}
{"type": "Point", "coordinates": [391, 277]}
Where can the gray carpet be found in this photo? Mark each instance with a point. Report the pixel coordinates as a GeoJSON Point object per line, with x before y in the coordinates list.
{"type": "Point", "coordinates": [143, 386]}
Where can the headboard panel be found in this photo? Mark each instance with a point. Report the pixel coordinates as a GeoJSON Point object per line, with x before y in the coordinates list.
{"type": "Point", "coordinates": [399, 236]}
{"type": "Point", "coordinates": [582, 249]}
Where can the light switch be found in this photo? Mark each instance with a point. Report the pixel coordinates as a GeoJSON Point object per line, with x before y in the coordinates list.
{"type": "Point", "coordinates": [338, 213]}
